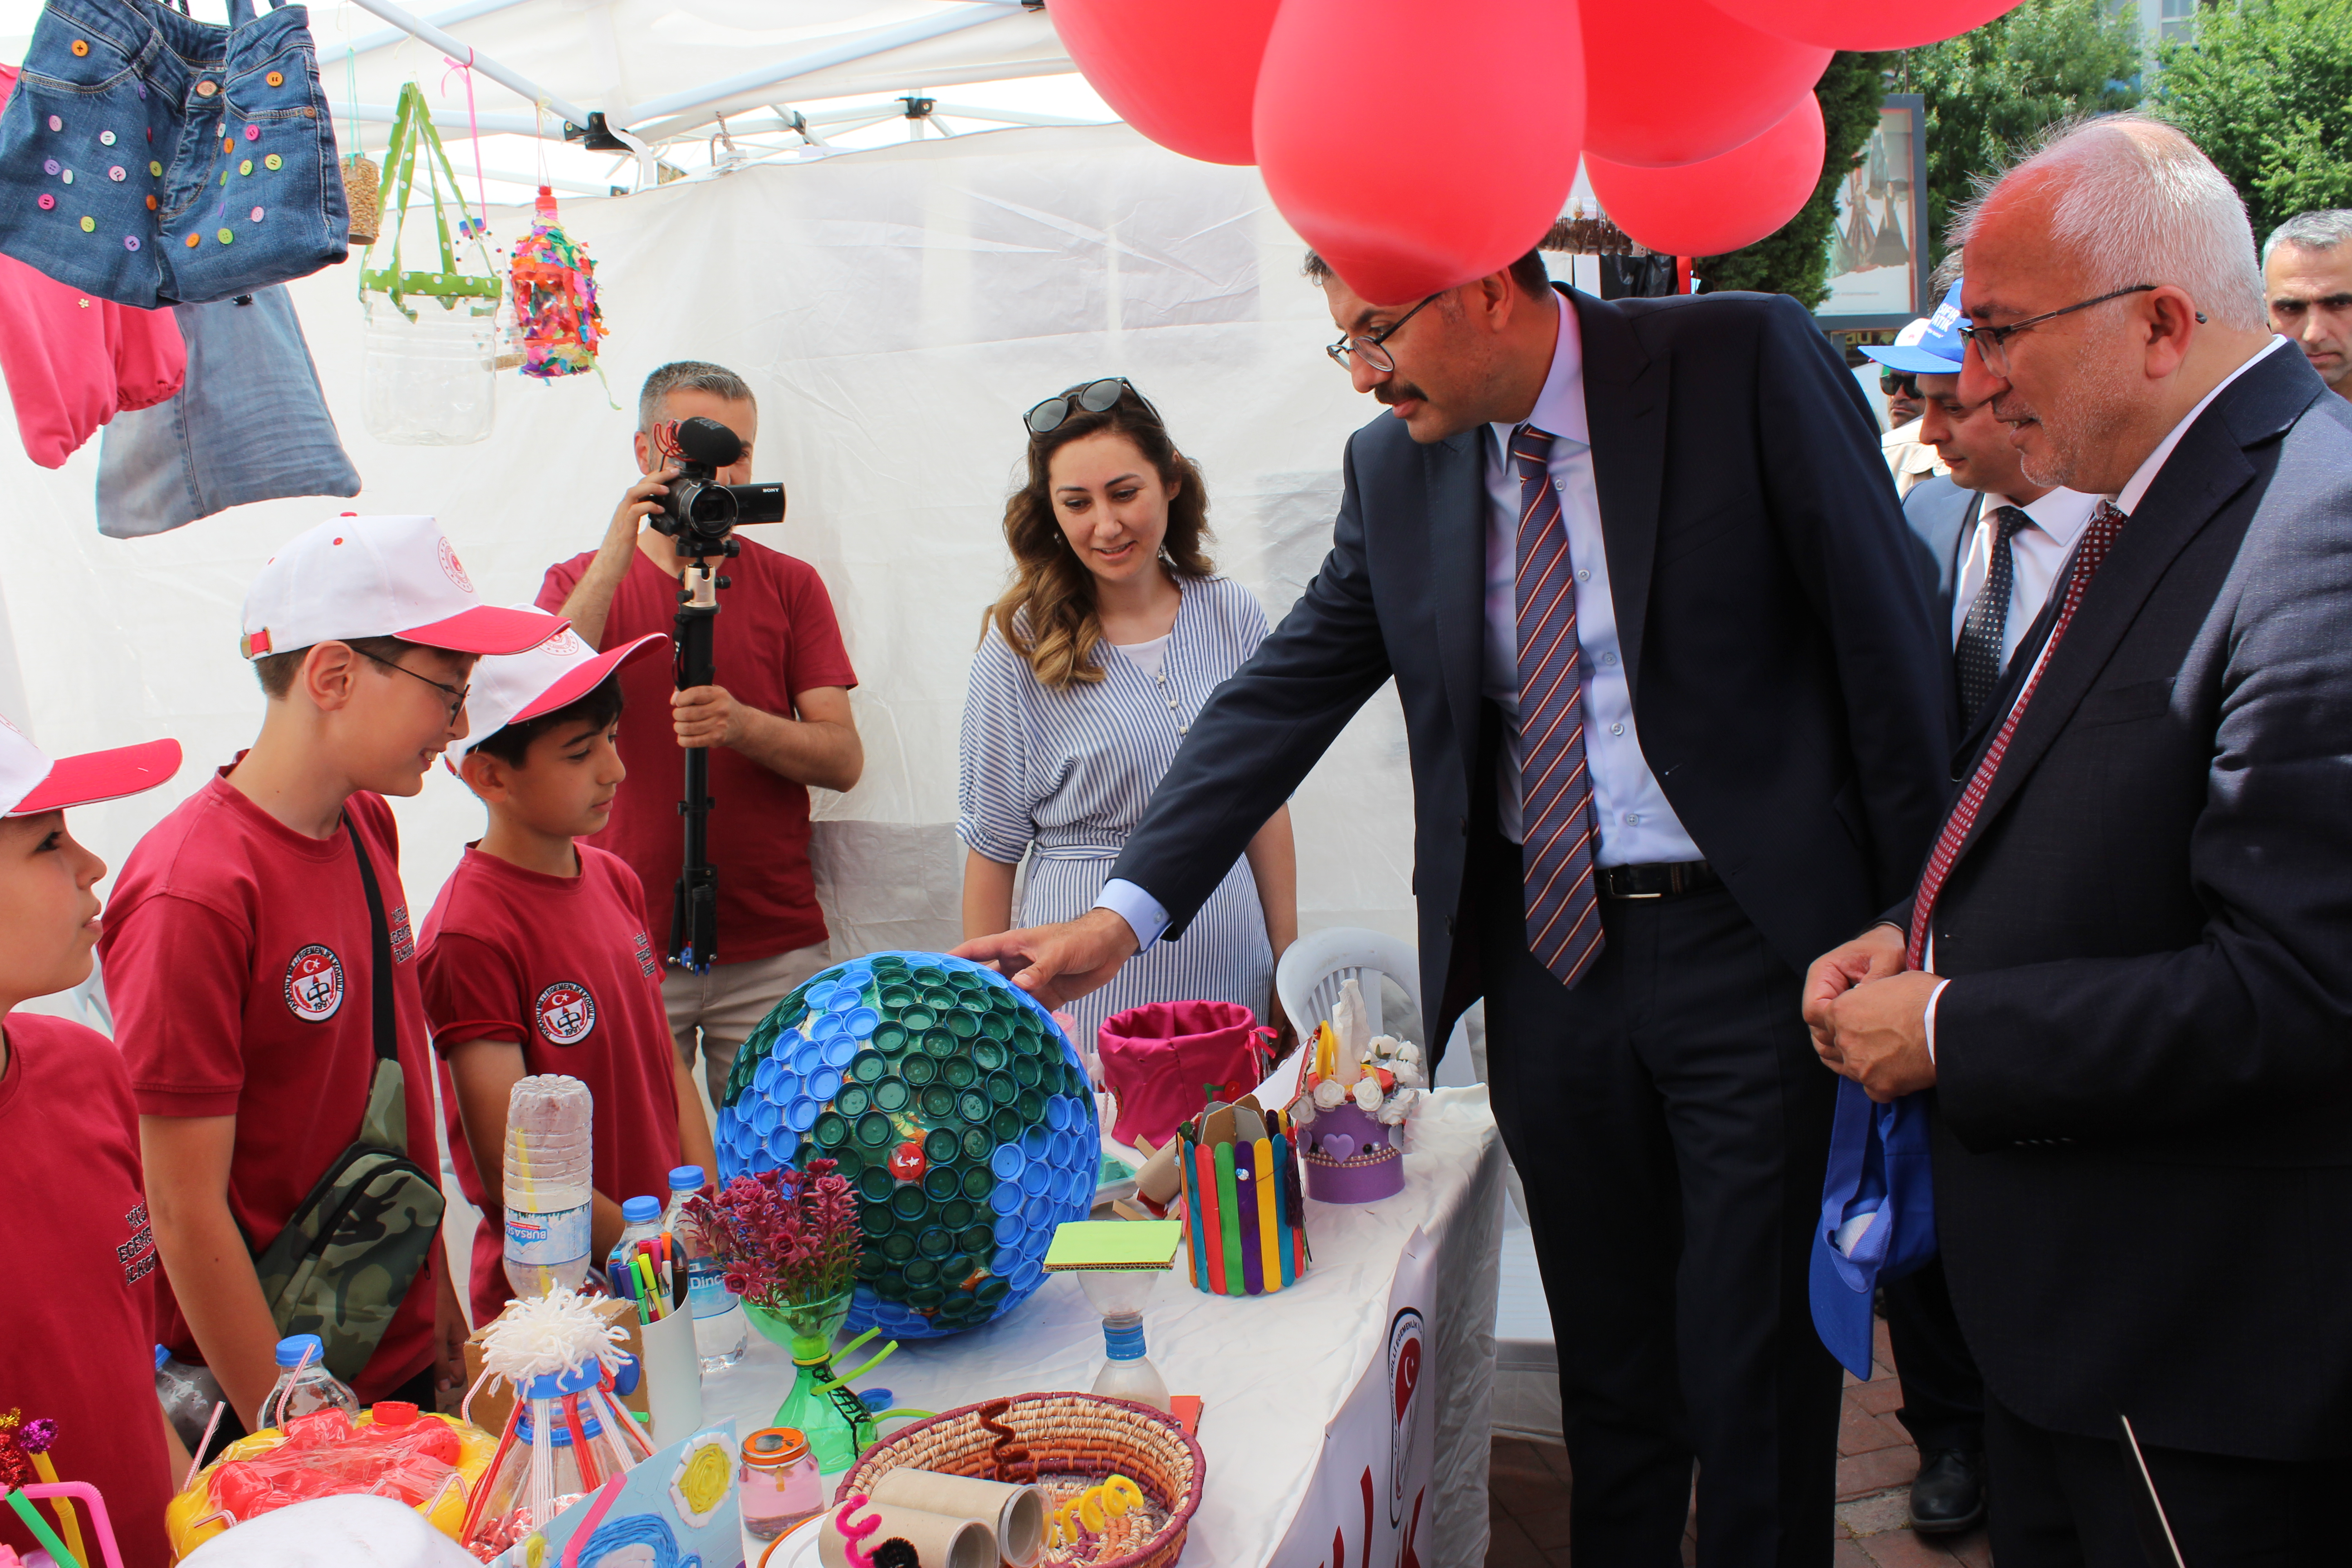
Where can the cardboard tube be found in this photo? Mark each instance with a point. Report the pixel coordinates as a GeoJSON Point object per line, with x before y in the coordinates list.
{"type": "Point", "coordinates": [1019, 1511]}
{"type": "Point", "coordinates": [1158, 1180]}
{"type": "Point", "coordinates": [673, 1377]}
{"type": "Point", "coordinates": [940, 1542]}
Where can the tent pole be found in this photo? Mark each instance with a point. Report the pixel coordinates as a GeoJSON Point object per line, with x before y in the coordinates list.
{"type": "Point", "coordinates": [336, 55]}
{"type": "Point", "coordinates": [418, 27]}
{"type": "Point", "coordinates": [858, 48]}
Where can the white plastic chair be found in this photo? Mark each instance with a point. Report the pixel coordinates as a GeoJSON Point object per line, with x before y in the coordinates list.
{"type": "Point", "coordinates": [1311, 973]}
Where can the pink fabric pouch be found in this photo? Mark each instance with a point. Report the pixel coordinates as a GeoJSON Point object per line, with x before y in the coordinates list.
{"type": "Point", "coordinates": [74, 361]}
{"type": "Point", "coordinates": [1165, 1060]}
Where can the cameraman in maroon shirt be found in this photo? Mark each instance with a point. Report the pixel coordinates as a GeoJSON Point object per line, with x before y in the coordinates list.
{"type": "Point", "coordinates": [776, 722]}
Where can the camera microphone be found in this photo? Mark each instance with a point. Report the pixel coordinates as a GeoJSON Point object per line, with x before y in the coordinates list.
{"type": "Point", "coordinates": [709, 443]}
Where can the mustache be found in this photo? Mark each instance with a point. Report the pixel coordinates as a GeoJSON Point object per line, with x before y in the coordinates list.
{"type": "Point", "coordinates": [1391, 393]}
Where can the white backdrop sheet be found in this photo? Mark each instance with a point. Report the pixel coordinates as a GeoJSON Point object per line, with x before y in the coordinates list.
{"type": "Point", "coordinates": [894, 310]}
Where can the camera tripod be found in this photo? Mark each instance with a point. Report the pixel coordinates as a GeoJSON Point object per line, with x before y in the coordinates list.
{"type": "Point", "coordinates": [694, 903]}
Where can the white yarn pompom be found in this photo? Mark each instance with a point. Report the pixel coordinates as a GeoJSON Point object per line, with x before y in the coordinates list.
{"type": "Point", "coordinates": [551, 1333]}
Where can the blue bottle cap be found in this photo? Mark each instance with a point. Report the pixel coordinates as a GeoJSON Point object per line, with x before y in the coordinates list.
{"type": "Point", "coordinates": [290, 1349]}
{"type": "Point", "coordinates": [646, 1210]}
{"type": "Point", "coordinates": [877, 1400]}
{"type": "Point", "coordinates": [163, 1354]}
{"type": "Point", "coordinates": [686, 1179]}
{"type": "Point", "coordinates": [1008, 1160]}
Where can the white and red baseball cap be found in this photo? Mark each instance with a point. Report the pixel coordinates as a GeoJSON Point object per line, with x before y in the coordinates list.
{"type": "Point", "coordinates": [557, 673]}
{"type": "Point", "coordinates": [355, 576]}
{"type": "Point", "coordinates": [31, 783]}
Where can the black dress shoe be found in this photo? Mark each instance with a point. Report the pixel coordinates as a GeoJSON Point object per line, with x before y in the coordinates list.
{"type": "Point", "coordinates": [1948, 1497]}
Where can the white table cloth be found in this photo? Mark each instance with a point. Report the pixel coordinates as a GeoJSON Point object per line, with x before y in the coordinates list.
{"type": "Point", "coordinates": [1299, 1389]}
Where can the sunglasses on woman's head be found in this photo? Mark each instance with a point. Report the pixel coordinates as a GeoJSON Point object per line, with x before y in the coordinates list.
{"type": "Point", "coordinates": [1094, 397]}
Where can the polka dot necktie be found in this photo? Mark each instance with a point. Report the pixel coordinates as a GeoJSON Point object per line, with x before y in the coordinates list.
{"type": "Point", "coordinates": [2098, 538]}
{"type": "Point", "coordinates": [1555, 787]}
{"type": "Point", "coordinates": [1976, 658]}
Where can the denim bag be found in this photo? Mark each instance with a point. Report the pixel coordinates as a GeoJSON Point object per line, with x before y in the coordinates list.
{"type": "Point", "coordinates": [250, 424]}
{"type": "Point", "coordinates": [151, 159]}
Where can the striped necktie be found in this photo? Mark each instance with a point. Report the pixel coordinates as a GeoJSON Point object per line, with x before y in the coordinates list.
{"type": "Point", "coordinates": [2098, 538]}
{"type": "Point", "coordinates": [1555, 788]}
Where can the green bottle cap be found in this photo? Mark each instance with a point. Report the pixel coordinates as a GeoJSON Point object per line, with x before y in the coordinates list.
{"type": "Point", "coordinates": [979, 1181]}
{"type": "Point", "coordinates": [891, 1094]}
{"type": "Point", "coordinates": [941, 1182]}
{"type": "Point", "coordinates": [956, 1073]}
{"type": "Point", "coordinates": [909, 1204]}
{"type": "Point", "coordinates": [940, 1145]}
{"type": "Point", "coordinates": [874, 1130]}
{"type": "Point", "coordinates": [972, 1106]}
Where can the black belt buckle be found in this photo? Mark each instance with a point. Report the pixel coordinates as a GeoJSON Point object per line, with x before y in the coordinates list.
{"type": "Point", "coordinates": [1658, 880]}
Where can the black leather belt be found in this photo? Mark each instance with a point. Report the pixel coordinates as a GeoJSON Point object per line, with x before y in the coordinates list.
{"type": "Point", "coordinates": [1660, 880]}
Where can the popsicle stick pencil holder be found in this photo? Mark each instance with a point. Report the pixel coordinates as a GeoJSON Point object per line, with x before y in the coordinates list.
{"type": "Point", "coordinates": [1244, 1206]}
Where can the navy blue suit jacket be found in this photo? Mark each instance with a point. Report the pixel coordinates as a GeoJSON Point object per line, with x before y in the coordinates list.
{"type": "Point", "coordinates": [2144, 1144]}
{"type": "Point", "coordinates": [1941, 514]}
{"type": "Point", "coordinates": [1775, 638]}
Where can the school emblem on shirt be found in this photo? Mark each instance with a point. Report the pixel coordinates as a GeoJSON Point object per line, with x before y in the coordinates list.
{"type": "Point", "coordinates": [454, 569]}
{"type": "Point", "coordinates": [314, 984]}
{"type": "Point", "coordinates": [566, 1013]}
{"type": "Point", "coordinates": [404, 941]}
{"type": "Point", "coordinates": [136, 1256]}
{"type": "Point", "coordinates": [646, 956]}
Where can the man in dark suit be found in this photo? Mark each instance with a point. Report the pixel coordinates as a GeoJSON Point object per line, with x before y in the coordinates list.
{"type": "Point", "coordinates": [1669, 690]}
{"type": "Point", "coordinates": [2128, 966]}
{"type": "Point", "coordinates": [1990, 542]}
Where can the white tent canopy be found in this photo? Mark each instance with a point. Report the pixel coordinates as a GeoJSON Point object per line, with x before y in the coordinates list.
{"type": "Point", "coordinates": [895, 311]}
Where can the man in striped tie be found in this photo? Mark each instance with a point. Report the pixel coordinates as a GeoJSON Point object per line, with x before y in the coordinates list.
{"type": "Point", "coordinates": [1669, 690]}
{"type": "Point", "coordinates": [2127, 968]}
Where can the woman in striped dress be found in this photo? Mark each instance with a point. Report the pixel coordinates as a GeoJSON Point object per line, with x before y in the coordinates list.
{"type": "Point", "coordinates": [1090, 670]}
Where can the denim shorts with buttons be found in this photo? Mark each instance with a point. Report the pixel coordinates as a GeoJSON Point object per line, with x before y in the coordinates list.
{"type": "Point", "coordinates": [151, 159]}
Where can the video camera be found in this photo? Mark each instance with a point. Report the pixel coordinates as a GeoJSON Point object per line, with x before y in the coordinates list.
{"type": "Point", "coordinates": [699, 512]}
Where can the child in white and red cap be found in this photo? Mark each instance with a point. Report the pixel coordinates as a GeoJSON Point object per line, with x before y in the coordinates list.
{"type": "Point", "coordinates": [240, 949]}
{"type": "Point", "coordinates": [537, 955]}
{"type": "Point", "coordinates": [79, 1342]}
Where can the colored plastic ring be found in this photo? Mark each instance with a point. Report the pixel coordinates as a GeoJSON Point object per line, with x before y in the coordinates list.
{"type": "Point", "coordinates": [273, 162]}
{"type": "Point", "coordinates": [89, 225]}
{"type": "Point", "coordinates": [276, 78]}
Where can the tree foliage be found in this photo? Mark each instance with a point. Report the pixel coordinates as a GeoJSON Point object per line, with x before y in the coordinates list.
{"type": "Point", "coordinates": [2266, 88]}
{"type": "Point", "coordinates": [1794, 258]}
{"type": "Point", "coordinates": [1993, 87]}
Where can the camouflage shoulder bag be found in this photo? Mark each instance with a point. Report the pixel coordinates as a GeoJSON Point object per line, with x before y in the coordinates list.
{"type": "Point", "coordinates": [343, 1264]}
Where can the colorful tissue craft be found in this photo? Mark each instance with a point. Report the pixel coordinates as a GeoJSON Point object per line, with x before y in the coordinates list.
{"type": "Point", "coordinates": [427, 1461]}
{"type": "Point", "coordinates": [554, 296]}
{"type": "Point", "coordinates": [954, 1108]}
{"type": "Point", "coordinates": [1355, 1093]}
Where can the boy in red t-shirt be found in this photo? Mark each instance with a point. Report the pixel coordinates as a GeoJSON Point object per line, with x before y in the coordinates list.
{"type": "Point", "coordinates": [240, 946]}
{"type": "Point", "coordinates": [536, 956]}
{"type": "Point", "coordinates": [78, 1338]}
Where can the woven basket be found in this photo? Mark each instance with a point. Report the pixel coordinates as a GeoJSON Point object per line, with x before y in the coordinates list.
{"type": "Point", "coordinates": [1065, 1434]}
{"type": "Point", "coordinates": [362, 196]}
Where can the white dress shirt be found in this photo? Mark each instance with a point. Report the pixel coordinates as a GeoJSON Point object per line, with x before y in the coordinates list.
{"type": "Point", "coordinates": [2037, 554]}
{"type": "Point", "coordinates": [1637, 826]}
{"type": "Point", "coordinates": [2134, 491]}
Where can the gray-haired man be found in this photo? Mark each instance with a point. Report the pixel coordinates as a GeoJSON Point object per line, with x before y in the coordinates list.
{"type": "Point", "coordinates": [2307, 284]}
{"type": "Point", "coordinates": [776, 722]}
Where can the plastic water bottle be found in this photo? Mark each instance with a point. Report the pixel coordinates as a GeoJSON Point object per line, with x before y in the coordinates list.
{"type": "Point", "coordinates": [188, 1395]}
{"type": "Point", "coordinates": [548, 1190]}
{"type": "Point", "coordinates": [313, 1387]}
{"type": "Point", "coordinates": [721, 1329]}
{"type": "Point", "coordinates": [641, 1220]}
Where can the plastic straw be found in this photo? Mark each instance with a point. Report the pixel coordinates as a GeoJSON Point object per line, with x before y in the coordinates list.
{"type": "Point", "coordinates": [39, 1527]}
{"type": "Point", "coordinates": [102, 1526]}
{"type": "Point", "coordinates": [196, 1459]}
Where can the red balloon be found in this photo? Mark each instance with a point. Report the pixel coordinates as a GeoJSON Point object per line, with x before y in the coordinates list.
{"type": "Point", "coordinates": [1706, 209]}
{"type": "Point", "coordinates": [1414, 148]}
{"type": "Point", "coordinates": [1719, 85]}
{"type": "Point", "coordinates": [1867, 23]}
{"type": "Point", "coordinates": [1183, 72]}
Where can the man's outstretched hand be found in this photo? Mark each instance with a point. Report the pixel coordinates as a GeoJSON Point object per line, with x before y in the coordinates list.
{"type": "Point", "coordinates": [1058, 963]}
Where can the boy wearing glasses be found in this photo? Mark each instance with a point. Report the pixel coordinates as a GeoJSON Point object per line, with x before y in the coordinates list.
{"type": "Point", "coordinates": [240, 947]}
{"type": "Point", "coordinates": [776, 720]}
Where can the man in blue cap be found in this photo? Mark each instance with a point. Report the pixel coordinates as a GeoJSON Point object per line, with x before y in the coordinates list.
{"type": "Point", "coordinates": [1990, 543]}
{"type": "Point", "coordinates": [1909, 457]}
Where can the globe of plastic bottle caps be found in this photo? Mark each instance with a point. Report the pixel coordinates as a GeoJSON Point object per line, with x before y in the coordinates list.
{"type": "Point", "coordinates": [956, 1108]}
